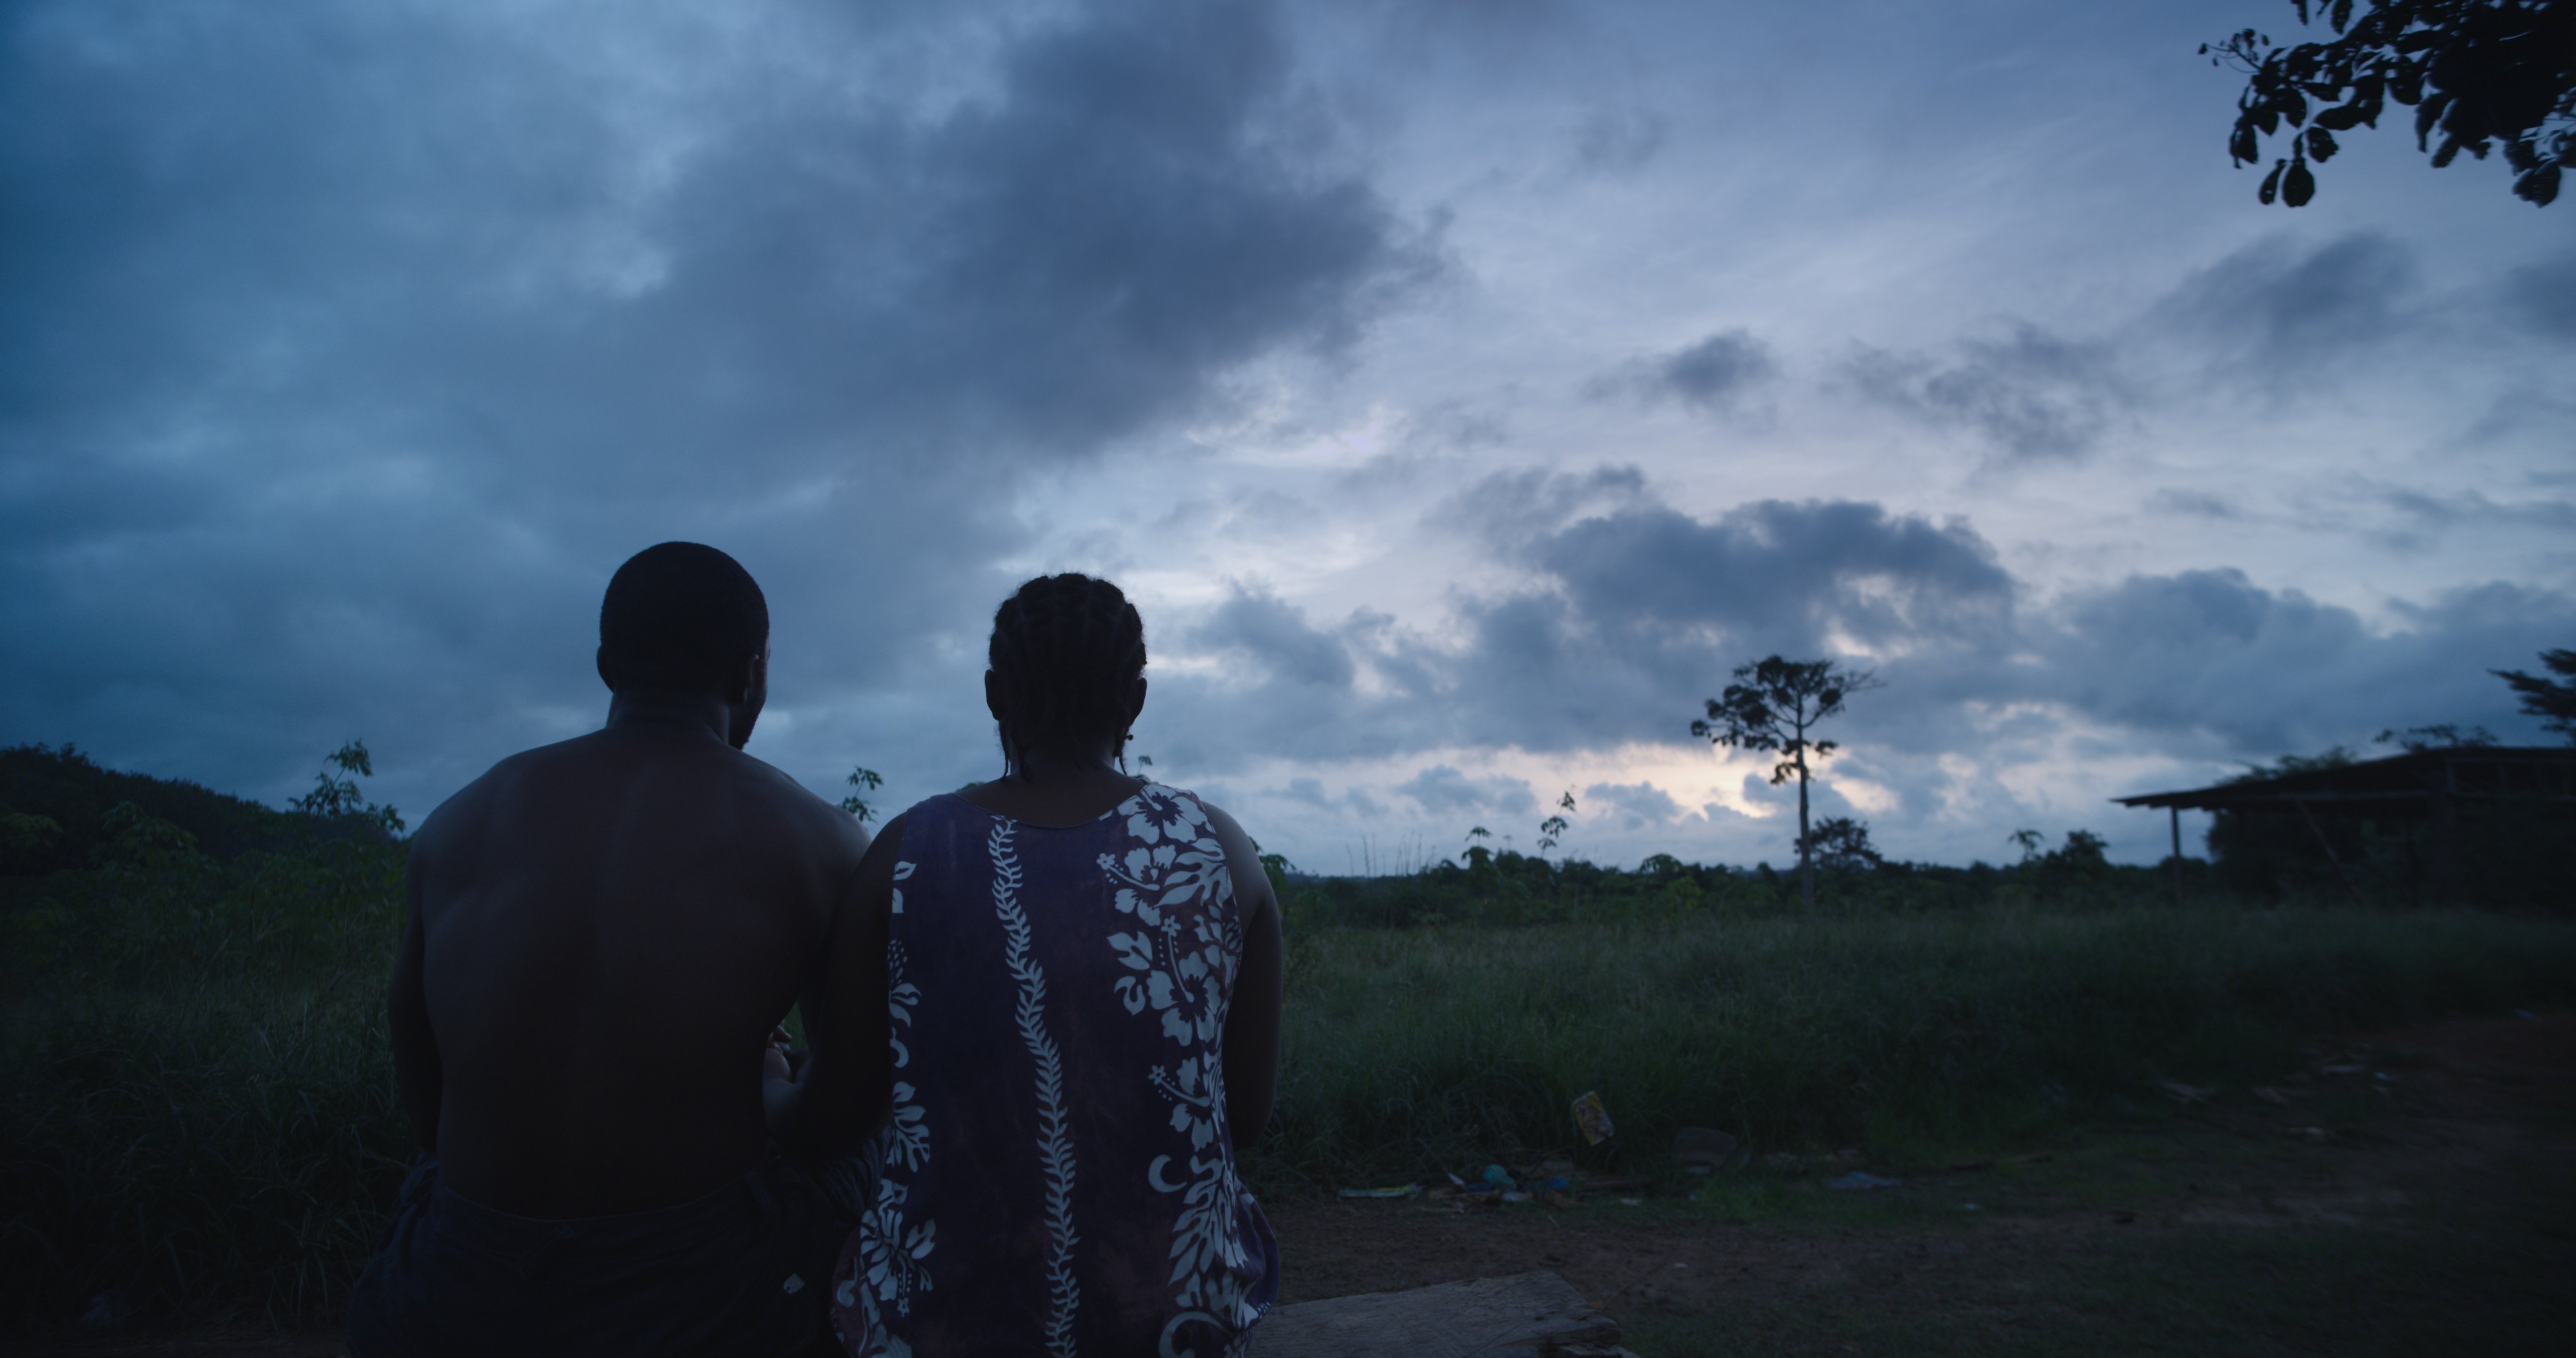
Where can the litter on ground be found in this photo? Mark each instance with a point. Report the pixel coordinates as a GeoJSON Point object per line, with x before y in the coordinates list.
{"type": "Point", "coordinates": [1593, 1118]}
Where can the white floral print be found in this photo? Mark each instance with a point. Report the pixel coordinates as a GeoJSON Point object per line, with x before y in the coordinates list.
{"type": "Point", "coordinates": [1182, 960]}
{"type": "Point", "coordinates": [1174, 947]}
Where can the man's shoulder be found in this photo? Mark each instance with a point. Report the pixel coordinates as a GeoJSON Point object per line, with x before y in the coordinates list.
{"type": "Point", "coordinates": [767, 780]}
{"type": "Point", "coordinates": [463, 802]}
{"type": "Point", "coordinates": [795, 806]}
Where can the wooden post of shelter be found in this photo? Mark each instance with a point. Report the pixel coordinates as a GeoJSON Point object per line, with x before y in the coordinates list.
{"type": "Point", "coordinates": [2349, 887]}
{"type": "Point", "coordinates": [2446, 834]}
{"type": "Point", "coordinates": [2176, 813]}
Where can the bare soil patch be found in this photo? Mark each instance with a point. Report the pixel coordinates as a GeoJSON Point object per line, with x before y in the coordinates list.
{"type": "Point", "coordinates": [2411, 1193]}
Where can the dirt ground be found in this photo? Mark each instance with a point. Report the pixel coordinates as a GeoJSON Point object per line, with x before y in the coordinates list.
{"type": "Point", "coordinates": [2414, 1193]}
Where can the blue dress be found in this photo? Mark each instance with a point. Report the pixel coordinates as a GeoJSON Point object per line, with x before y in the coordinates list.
{"type": "Point", "coordinates": [1058, 1176]}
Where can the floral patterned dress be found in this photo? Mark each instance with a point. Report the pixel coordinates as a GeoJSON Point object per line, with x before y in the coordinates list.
{"type": "Point", "coordinates": [1058, 1176]}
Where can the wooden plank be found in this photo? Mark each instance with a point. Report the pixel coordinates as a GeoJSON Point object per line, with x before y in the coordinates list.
{"type": "Point", "coordinates": [1528, 1315]}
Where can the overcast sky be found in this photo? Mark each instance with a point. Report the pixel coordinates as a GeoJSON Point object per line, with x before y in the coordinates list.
{"type": "Point", "coordinates": [1460, 389]}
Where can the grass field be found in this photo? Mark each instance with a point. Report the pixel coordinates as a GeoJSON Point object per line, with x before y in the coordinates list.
{"type": "Point", "coordinates": [199, 1118]}
{"type": "Point", "coordinates": [1410, 1052]}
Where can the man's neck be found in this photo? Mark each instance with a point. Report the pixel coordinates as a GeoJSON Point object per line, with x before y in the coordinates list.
{"type": "Point", "coordinates": [642, 711]}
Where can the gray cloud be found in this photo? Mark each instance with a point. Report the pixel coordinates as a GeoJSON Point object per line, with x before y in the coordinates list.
{"type": "Point", "coordinates": [1636, 804]}
{"type": "Point", "coordinates": [1639, 612]}
{"type": "Point", "coordinates": [1507, 509]}
{"type": "Point", "coordinates": [349, 349]}
{"type": "Point", "coordinates": [2425, 512]}
{"type": "Point", "coordinates": [2271, 672]}
{"type": "Point", "coordinates": [2543, 297]}
{"type": "Point", "coordinates": [1276, 639]}
{"type": "Point", "coordinates": [2276, 313]}
{"type": "Point", "coordinates": [1442, 789]}
{"type": "Point", "coordinates": [1619, 140]}
{"type": "Point", "coordinates": [1714, 374]}
{"type": "Point", "coordinates": [2192, 504]}
{"type": "Point", "coordinates": [2030, 396]}
{"type": "Point", "coordinates": [1779, 574]}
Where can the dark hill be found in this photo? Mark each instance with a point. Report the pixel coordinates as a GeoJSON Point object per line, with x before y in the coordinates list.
{"type": "Point", "coordinates": [71, 790]}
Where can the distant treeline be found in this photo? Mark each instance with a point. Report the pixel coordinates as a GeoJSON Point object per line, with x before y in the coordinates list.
{"type": "Point", "coordinates": [1507, 888]}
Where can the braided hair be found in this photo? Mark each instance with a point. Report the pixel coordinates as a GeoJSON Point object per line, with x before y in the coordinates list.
{"type": "Point", "coordinates": [1066, 651]}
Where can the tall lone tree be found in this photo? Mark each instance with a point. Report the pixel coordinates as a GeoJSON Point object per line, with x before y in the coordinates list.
{"type": "Point", "coordinates": [2551, 700]}
{"type": "Point", "coordinates": [2476, 72]}
{"type": "Point", "coordinates": [1771, 707]}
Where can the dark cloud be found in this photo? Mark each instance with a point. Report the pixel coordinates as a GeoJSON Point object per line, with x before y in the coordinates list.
{"type": "Point", "coordinates": [2473, 509]}
{"type": "Point", "coordinates": [1636, 614]}
{"type": "Point", "coordinates": [2277, 313]}
{"type": "Point", "coordinates": [349, 349]}
{"type": "Point", "coordinates": [1619, 140]}
{"type": "Point", "coordinates": [1275, 639]}
{"type": "Point", "coordinates": [1636, 804]}
{"type": "Point", "coordinates": [2543, 297]}
{"type": "Point", "coordinates": [1779, 575]}
{"type": "Point", "coordinates": [1714, 374]}
{"type": "Point", "coordinates": [1508, 509]}
{"type": "Point", "coordinates": [2192, 504]}
{"type": "Point", "coordinates": [2031, 396]}
{"type": "Point", "coordinates": [1640, 612]}
{"type": "Point", "coordinates": [2273, 672]}
{"type": "Point", "coordinates": [1442, 789]}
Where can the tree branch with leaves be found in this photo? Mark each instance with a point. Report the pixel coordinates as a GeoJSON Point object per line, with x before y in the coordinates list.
{"type": "Point", "coordinates": [862, 780]}
{"type": "Point", "coordinates": [2477, 72]}
{"type": "Point", "coordinates": [1551, 832]}
{"type": "Point", "coordinates": [2551, 700]}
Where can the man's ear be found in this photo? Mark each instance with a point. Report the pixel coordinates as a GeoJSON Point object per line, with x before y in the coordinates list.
{"type": "Point", "coordinates": [745, 679]}
{"type": "Point", "coordinates": [604, 676]}
{"type": "Point", "coordinates": [1136, 700]}
{"type": "Point", "coordinates": [993, 695]}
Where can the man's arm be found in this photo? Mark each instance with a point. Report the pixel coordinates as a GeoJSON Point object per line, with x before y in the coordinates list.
{"type": "Point", "coordinates": [419, 1081]}
{"type": "Point", "coordinates": [1252, 1023]}
{"type": "Point", "coordinates": [845, 1086]}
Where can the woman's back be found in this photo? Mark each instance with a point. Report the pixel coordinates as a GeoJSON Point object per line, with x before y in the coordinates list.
{"type": "Point", "coordinates": [1059, 1173]}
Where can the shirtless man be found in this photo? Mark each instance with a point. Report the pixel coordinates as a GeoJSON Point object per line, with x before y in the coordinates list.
{"type": "Point", "coordinates": [602, 935]}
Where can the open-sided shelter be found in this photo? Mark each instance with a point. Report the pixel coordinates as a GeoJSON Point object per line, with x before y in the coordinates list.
{"type": "Point", "coordinates": [2430, 786]}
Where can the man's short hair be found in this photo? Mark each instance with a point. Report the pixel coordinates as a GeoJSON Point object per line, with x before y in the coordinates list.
{"type": "Point", "coordinates": [679, 617]}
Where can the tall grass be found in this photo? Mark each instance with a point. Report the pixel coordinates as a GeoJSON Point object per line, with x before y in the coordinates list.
{"type": "Point", "coordinates": [196, 1094]}
{"type": "Point", "coordinates": [199, 1103]}
{"type": "Point", "coordinates": [1413, 1051]}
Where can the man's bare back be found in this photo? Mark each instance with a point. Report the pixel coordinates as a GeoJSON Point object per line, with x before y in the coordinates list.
{"type": "Point", "coordinates": [603, 933]}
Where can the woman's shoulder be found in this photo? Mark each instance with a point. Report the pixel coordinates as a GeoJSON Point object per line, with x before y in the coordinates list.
{"type": "Point", "coordinates": [933, 815]}
{"type": "Point", "coordinates": [1160, 809]}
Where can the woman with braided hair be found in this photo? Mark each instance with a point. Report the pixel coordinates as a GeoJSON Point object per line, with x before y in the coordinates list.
{"type": "Point", "coordinates": [1083, 983]}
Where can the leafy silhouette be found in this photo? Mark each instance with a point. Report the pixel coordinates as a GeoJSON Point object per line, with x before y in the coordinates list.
{"type": "Point", "coordinates": [1551, 831]}
{"type": "Point", "coordinates": [2551, 700]}
{"type": "Point", "coordinates": [1841, 844]}
{"type": "Point", "coordinates": [2478, 72]}
{"type": "Point", "coordinates": [864, 779]}
{"type": "Point", "coordinates": [1771, 707]}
